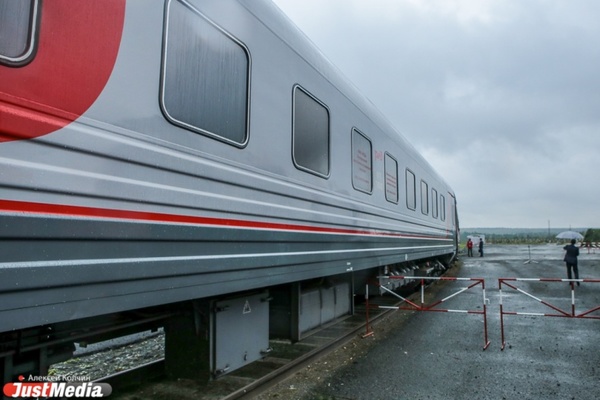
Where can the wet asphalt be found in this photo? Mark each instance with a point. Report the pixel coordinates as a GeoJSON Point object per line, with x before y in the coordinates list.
{"type": "Point", "coordinates": [440, 355]}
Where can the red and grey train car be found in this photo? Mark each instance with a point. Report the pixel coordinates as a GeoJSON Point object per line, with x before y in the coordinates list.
{"type": "Point", "coordinates": [161, 152]}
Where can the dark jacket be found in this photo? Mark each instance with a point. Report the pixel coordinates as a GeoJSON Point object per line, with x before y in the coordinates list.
{"type": "Point", "coordinates": [572, 253]}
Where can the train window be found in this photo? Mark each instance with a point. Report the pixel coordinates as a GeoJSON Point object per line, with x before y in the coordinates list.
{"type": "Point", "coordinates": [424, 198]}
{"type": "Point", "coordinates": [442, 207]}
{"type": "Point", "coordinates": [391, 178]}
{"type": "Point", "coordinates": [434, 203]}
{"type": "Point", "coordinates": [205, 85]}
{"type": "Point", "coordinates": [453, 209]}
{"type": "Point", "coordinates": [310, 136]}
{"type": "Point", "coordinates": [18, 31]}
{"type": "Point", "coordinates": [411, 190]}
{"type": "Point", "coordinates": [362, 162]}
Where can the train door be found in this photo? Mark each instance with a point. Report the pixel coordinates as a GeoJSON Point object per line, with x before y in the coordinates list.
{"type": "Point", "coordinates": [454, 220]}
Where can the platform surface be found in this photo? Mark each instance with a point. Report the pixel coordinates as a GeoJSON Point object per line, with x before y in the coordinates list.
{"type": "Point", "coordinates": [439, 355]}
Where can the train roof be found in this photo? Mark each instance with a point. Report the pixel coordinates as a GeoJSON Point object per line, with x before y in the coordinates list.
{"type": "Point", "coordinates": [283, 27]}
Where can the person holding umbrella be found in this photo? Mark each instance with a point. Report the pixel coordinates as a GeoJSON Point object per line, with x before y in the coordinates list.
{"type": "Point", "coordinates": [570, 259]}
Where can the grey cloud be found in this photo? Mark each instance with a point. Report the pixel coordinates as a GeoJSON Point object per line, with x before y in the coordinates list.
{"type": "Point", "coordinates": [504, 101]}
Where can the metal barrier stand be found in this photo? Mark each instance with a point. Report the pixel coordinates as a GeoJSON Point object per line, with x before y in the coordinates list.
{"type": "Point", "coordinates": [561, 313]}
{"type": "Point", "coordinates": [424, 307]}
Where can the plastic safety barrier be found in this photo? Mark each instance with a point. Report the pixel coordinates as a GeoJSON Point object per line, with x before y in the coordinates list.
{"type": "Point", "coordinates": [433, 307]}
{"type": "Point", "coordinates": [559, 312]}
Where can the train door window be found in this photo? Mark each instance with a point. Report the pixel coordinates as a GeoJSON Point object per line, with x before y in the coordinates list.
{"type": "Point", "coordinates": [310, 136]}
{"type": "Point", "coordinates": [362, 162]}
{"type": "Point", "coordinates": [452, 208]}
{"type": "Point", "coordinates": [411, 190]}
{"type": "Point", "coordinates": [205, 85]}
{"type": "Point", "coordinates": [391, 179]}
{"type": "Point", "coordinates": [442, 207]}
{"type": "Point", "coordinates": [434, 203]}
{"type": "Point", "coordinates": [18, 31]}
{"type": "Point", "coordinates": [424, 198]}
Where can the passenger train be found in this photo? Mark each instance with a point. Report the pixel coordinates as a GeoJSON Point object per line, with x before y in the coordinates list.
{"type": "Point", "coordinates": [164, 152]}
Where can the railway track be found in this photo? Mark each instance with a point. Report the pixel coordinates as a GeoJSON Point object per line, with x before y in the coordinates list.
{"type": "Point", "coordinates": [147, 380]}
{"type": "Point", "coordinates": [293, 366]}
{"type": "Point", "coordinates": [286, 359]}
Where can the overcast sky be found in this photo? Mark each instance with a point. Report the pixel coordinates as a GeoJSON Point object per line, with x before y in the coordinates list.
{"type": "Point", "coordinates": [501, 96]}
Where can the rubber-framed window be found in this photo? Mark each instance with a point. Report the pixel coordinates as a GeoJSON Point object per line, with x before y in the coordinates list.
{"type": "Point", "coordinates": [19, 25]}
{"type": "Point", "coordinates": [362, 162]}
{"type": "Point", "coordinates": [424, 197]}
{"type": "Point", "coordinates": [310, 133]}
{"type": "Point", "coordinates": [442, 207]}
{"type": "Point", "coordinates": [205, 76]}
{"type": "Point", "coordinates": [391, 178]}
{"type": "Point", "coordinates": [411, 190]}
{"type": "Point", "coordinates": [434, 203]}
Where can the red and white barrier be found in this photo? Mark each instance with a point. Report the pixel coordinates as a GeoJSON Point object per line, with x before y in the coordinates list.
{"type": "Point", "coordinates": [590, 246]}
{"type": "Point", "coordinates": [560, 313]}
{"type": "Point", "coordinates": [431, 307]}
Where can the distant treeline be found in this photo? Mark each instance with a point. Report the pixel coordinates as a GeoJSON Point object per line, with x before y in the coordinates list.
{"type": "Point", "coordinates": [526, 236]}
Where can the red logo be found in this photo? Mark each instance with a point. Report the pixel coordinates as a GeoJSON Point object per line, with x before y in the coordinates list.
{"type": "Point", "coordinates": [48, 388]}
{"type": "Point", "coordinates": [77, 49]}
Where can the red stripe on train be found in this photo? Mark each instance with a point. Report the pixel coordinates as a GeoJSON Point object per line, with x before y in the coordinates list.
{"type": "Point", "coordinates": [93, 212]}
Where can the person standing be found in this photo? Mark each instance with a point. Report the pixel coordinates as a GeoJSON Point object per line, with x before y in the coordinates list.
{"type": "Point", "coordinates": [570, 259]}
{"type": "Point", "coordinates": [469, 248]}
{"type": "Point", "coordinates": [480, 247]}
